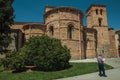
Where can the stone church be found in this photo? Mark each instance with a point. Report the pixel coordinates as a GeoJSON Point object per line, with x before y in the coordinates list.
{"type": "Point", "coordinates": [66, 24]}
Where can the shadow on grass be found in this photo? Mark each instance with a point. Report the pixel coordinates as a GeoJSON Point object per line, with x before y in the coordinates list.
{"type": "Point", "coordinates": [19, 71]}
{"type": "Point", "coordinates": [39, 69]}
{"type": "Point", "coordinates": [33, 68]}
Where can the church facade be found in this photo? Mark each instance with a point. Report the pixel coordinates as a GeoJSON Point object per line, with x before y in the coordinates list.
{"type": "Point", "coordinates": [66, 24]}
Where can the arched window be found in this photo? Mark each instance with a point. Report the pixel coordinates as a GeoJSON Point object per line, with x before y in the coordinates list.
{"type": "Point", "coordinates": [51, 30]}
{"type": "Point", "coordinates": [96, 11]}
{"type": "Point", "coordinates": [69, 31]}
{"type": "Point", "coordinates": [100, 21]}
{"type": "Point", "coordinates": [101, 11]}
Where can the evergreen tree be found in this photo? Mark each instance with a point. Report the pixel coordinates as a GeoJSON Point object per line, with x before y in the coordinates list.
{"type": "Point", "coordinates": [47, 54]}
{"type": "Point", "coordinates": [6, 19]}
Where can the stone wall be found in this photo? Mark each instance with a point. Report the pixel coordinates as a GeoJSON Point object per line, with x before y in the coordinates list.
{"type": "Point", "coordinates": [33, 30]}
{"type": "Point", "coordinates": [117, 41]}
{"type": "Point", "coordinates": [113, 49]}
{"type": "Point", "coordinates": [90, 43]}
{"type": "Point", "coordinates": [97, 19]}
{"type": "Point", "coordinates": [60, 20]}
{"type": "Point", "coordinates": [18, 25]}
{"type": "Point", "coordinates": [92, 17]}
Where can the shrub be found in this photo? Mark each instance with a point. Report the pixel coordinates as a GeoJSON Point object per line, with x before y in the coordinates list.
{"type": "Point", "coordinates": [46, 53]}
{"type": "Point", "coordinates": [0, 62]}
{"type": "Point", "coordinates": [13, 60]}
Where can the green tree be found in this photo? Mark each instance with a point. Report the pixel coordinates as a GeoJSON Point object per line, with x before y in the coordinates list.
{"type": "Point", "coordinates": [46, 53]}
{"type": "Point", "coordinates": [6, 19]}
{"type": "Point", "coordinates": [13, 60]}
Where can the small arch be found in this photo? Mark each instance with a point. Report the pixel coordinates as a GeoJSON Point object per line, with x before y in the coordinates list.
{"type": "Point", "coordinates": [70, 31]}
{"type": "Point", "coordinates": [96, 11]}
{"type": "Point", "coordinates": [51, 30]}
{"type": "Point", "coordinates": [100, 21]}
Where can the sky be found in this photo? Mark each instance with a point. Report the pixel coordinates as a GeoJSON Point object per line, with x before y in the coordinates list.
{"type": "Point", "coordinates": [33, 10]}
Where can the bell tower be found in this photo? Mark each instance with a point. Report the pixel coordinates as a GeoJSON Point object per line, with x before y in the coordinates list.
{"type": "Point", "coordinates": [97, 19]}
{"type": "Point", "coordinates": [96, 16]}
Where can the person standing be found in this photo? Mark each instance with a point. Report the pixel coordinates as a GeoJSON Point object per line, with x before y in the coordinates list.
{"type": "Point", "coordinates": [101, 66]}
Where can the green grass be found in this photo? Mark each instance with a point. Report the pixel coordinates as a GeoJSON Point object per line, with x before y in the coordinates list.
{"type": "Point", "coordinates": [76, 69]}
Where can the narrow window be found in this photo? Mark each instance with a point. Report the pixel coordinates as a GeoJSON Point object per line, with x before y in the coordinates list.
{"type": "Point", "coordinates": [101, 11]}
{"type": "Point", "coordinates": [100, 21]}
{"type": "Point", "coordinates": [96, 11]}
{"type": "Point", "coordinates": [51, 30]}
{"type": "Point", "coordinates": [119, 35]}
{"type": "Point", "coordinates": [69, 30]}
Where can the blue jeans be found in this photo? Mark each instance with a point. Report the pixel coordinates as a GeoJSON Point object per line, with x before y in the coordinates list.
{"type": "Point", "coordinates": [101, 69]}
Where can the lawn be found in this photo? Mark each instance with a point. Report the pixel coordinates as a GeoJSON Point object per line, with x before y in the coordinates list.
{"type": "Point", "coordinates": [75, 69]}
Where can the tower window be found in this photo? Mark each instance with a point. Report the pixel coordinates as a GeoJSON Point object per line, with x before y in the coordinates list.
{"type": "Point", "coordinates": [51, 30]}
{"type": "Point", "coordinates": [69, 31]}
{"type": "Point", "coordinates": [100, 21]}
{"type": "Point", "coordinates": [101, 11]}
{"type": "Point", "coordinates": [96, 11]}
